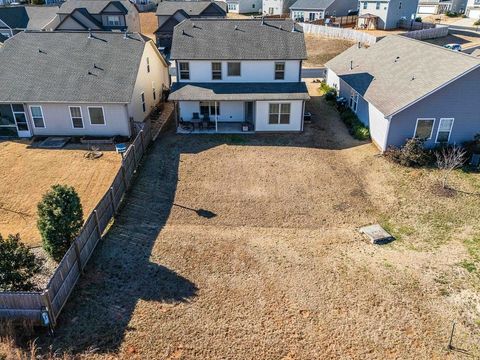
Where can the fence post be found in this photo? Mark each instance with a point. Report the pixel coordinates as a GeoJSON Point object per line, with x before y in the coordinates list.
{"type": "Point", "coordinates": [134, 157]}
{"type": "Point", "coordinates": [48, 305]}
{"type": "Point", "coordinates": [112, 200]}
{"type": "Point", "coordinates": [97, 224]}
{"type": "Point", "coordinates": [79, 259]}
{"type": "Point", "coordinates": [142, 140]}
{"type": "Point", "coordinates": [124, 177]}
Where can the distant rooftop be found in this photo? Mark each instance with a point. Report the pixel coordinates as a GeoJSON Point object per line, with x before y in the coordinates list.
{"type": "Point", "coordinates": [92, 6]}
{"type": "Point", "coordinates": [70, 67]}
{"type": "Point", "coordinates": [192, 8]}
{"type": "Point", "coordinates": [311, 4]}
{"type": "Point", "coordinates": [28, 17]}
{"type": "Point", "coordinates": [223, 39]}
{"type": "Point", "coordinates": [397, 70]}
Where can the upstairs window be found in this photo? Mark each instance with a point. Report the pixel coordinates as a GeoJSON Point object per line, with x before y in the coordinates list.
{"type": "Point", "coordinates": [233, 69]}
{"type": "Point", "coordinates": [216, 71]}
{"type": "Point", "coordinates": [113, 20]}
{"type": "Point", "coordinates": [154, 92]}
{"type": "Point", "coordinates": [279, 71]}
{"type": "Point", "coordinates": [148, 65]}
{"type": "Point", "coordinates": [424, 129]}
{"type": "Point", "coordinates": [142, 96]}
{"type": "Point", "coordinates": [377, 6]}
{"type": "Point", "coordinates": [184, 70]}
{"type": "Point", "coordinates": [365, 5]}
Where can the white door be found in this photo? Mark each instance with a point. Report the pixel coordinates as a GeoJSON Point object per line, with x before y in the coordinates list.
{"type": "Point", "coordinates": [20, 116]}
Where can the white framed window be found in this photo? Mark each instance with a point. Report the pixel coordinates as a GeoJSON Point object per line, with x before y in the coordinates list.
{"type": "Point", "coordinates": [154, 91]}
{"type": "Point", "coordinates": [113, 20]}
{"type": "Point", "coordinates": [97, 115]}
{"type": "Point", "coordinates": [209, 108]}
{"type": "Point", "coordinates": [216, 71]}
{"type": "Point", "coordinates": [365, 5]}
{"type": "Point", "coordinates": [76, 116]}
{"type": "Point", "coordinates": [353, 101]}
{"type": "Point", "coordinates": [279, 71]}
{"type": "Point", "coordinates": [444, 130]}
{"type": "Point", "coordinates": [279, 113]}
{"type": "Point", "coordinates": [233, 69]}
{"type": "Point", "coordinates": [184, 70]}
{"type": "Point", "coordinates": [37, 116]}
{"type": "Point", "coordinates": [377, 5]}
{"type": "Point", "coordinates": [148, 65]}
{"type": "Point", "coordinates": [142, 96]}
{"type": "Point", "coordinates": [424, 128]}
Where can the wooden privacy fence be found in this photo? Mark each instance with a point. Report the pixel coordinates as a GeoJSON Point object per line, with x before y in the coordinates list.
{"type": "Point", "coordinates": [29, 305]}
{"type": "Point", "coordinates": [433, 33]}
{"type": "Point", "coordinates": [414, 25]}
{"type": "Point", "coordinates": [339, 33]}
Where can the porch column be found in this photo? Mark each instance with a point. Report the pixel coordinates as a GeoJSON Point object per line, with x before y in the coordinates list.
{"type": "Point", "coordinates": [216, 117]}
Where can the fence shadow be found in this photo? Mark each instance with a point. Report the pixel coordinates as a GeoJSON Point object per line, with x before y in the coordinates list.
{"type": "Point", "coordinates": [120, 273]}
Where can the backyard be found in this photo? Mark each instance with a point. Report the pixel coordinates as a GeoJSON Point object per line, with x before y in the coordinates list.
{"type": "Point", "coordinates": [321, 49]}
{"type": "Point", "coordinates": [27, 172]}
{"type": "Point", "coordinates": [247, 247]}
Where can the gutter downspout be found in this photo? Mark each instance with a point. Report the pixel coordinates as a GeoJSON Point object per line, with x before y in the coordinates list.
{"type": "Point", "coordinates": [216, 117]}
{"type": "Point", "coordinates": [385, 143]}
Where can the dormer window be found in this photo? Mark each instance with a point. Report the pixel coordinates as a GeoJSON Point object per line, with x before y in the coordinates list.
{"type": "Point", "coordinates": [113, 20]}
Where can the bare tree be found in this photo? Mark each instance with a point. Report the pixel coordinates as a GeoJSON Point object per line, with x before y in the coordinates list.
{"type": "Point", "coordinates": [449, 159]}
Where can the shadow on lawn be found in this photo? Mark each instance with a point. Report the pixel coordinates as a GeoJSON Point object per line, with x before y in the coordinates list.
{"type": "Point", "coordinates": [121, 274]}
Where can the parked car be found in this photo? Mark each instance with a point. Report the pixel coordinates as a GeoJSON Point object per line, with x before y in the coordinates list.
{"type": "Point", "coordinates": [454, 47]}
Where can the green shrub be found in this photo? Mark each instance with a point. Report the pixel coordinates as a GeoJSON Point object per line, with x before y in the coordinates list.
{"type": "Point", "coordinates": [354, 125]}
{"type": "Point", "coordinates": [418, 19]}
{"type": "Point", "coordinates": [476, 23]}
{"type": "Point", "coordinates": [452, 14]}
{"type": "Point", "coordinates": [17, 265]}
{"type": "Point", "coordinates": [60, 218]}
{"type": "Point", "coordinates": [331, 95]}
{"type": "Point", "coordinates": [412, 154]}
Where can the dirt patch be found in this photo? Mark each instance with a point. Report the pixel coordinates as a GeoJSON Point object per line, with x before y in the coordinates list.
{"type": "Point", "coordinates": [148, 24]}
{"type": "Point", "coordinates": [26, 173]}
{"type": "Point", "coordinates": [321, 49]}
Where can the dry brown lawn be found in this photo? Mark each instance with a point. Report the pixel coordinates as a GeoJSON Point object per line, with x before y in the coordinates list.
{"type": "Point", "coordinates": [246, 247]}
{"type": "Point", "coordinates": [321, 49]}
{"type": "Point", "coordinates": [26, 173]}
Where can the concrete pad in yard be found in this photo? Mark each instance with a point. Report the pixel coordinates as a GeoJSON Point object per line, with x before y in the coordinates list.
{"type": "Point", "coordinates": [376, 234]}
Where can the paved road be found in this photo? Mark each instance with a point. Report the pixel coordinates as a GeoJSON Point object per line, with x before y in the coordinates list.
{"type": "Point", "coordinates": [309, 73]}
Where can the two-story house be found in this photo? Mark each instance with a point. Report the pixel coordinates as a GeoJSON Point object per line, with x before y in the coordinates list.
{"type": "Point", "coordinates": [276, 7]}
{"type": "Point", "coordinates": [98, 15]}
{"type": "Point", "coordinates": [171, 13]}
{"type": "Point", "coordinates": [81, 83]}
{"type": "Point", "coordinates": [473, 9]}
{"type": "Point", "coordinates": [244, 6]}
{"type": "Point", "coordinates": [14, 19]}
{"type": "Point", "coordinates": [387, 13]}
{"type": "Point", "coordinates": [311, 10]}
{"type": "Point", "coordinates": [238, 75]}
{"type": "Point", "coordinates": [432, 7]}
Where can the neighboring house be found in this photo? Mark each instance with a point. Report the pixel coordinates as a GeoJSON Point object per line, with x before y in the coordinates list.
{"type": "Point", "coordinates": [77, 83]}
{"type": "Point", "coordinates": [403, 88]}
{"type": "Point", "coordinates": [14, 19]}
{"type": "Point", "coordinates": [473, 9]}
{"type": "Point", "coordinates": [388, 13]}
{"type": "Point", "coordinates": [171, 13]}
{"type": "Point", "coordinates": [476, 53]}
{"type": "Point", "coordinates": [238, 75]}
{"type": "Point", "coordinates": [311, 10]}
{"type": "Point", "coordinates": [96, 15]}
{"type": "Point", "coordinates": [244, 6]}
{"type": "Point", "coordinates": [433, 7]}
{"type": "Point", "coordinates": [277, 7]}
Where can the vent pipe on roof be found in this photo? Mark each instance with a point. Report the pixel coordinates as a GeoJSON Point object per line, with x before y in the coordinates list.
{"type": "Point", "coordinates": [263, 21]}
{"type": "Point", "coordinates": [125, 34]}
{"type": "Point", "coordinates": [359, 45]}
{"type": "Point", "coordinates": [89, 33]}
{"type": "Point", "coordinates": [397, 58]}
{"type": "Point", "coordinates": [193, 25]}
{"type": "Point", "coordinates": [413, 77]}
{"type": "Point", "coordinates": [293, 27]}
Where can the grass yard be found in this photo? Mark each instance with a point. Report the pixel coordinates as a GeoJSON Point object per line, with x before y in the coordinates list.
{"type": "Point", "coordinates": [26, 173]}
{"type": "Point", "coordinates": [321, 49]}
{"type": "Point", "coordinates": [246, 247]}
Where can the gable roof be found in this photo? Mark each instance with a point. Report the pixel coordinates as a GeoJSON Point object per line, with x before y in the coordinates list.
{"type": "Point", "coordinates": [70, 67]}
{"type": "Point", "coordinates": [191, 8]}
{"type": "Point", "coordinates": [476, 53]}
{"type": "Point", "coordinates": [311, 4]}
{"type": "Point", "coordinates": [92, 6]}
{"type": "Point", "coordinates": [222, 39]}
{"type": "Point", "coordinates": [28, 17]}
{"type": "Point", "coordinates": [398, 71]}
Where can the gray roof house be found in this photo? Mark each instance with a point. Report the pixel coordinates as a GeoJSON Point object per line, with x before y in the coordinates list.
{"type": "Point", "coordinates": [276, 7]}
{"type": "Point", "coordinates": [311, 10]}
{"type": "Point", "coordinates": [388, 13]}
{"type": "Point", "coordinates": [171, 13]}
{"type": "Point", "coordinates": [432, 7]}
{"type": "Point", "coordinates": [403, 88]}
{"type": "Point", "coordinates": [15, 19]}
{"type": "Point", "coordinates": [238, 75]}
{"type": "Point", "coordinates": [93, 84]}
{"type": "Point", "coordinates": [98, 15]}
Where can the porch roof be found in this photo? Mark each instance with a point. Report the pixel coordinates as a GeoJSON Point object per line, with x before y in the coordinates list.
{"type": "Point", "coordinates": [239, 91]}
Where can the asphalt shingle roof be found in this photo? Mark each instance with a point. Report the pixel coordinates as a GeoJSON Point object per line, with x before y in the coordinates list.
{"type": "Point", "coordinates": [311, 4]}
{"type": "Point", "coordinates": [92, 6]}
{"type": "Point", "coordinates": [240, 92]}
{"type": "Point", "coordinates": [70, 67]}
{"type": "Point", "coordinates": [222, 39]}
{"type": "Point", "coordinates": [397, 71]}
{"type": "Point", "coordinates": [28, 17]}
{"type": "Point", "coordinates": [192, 8]}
